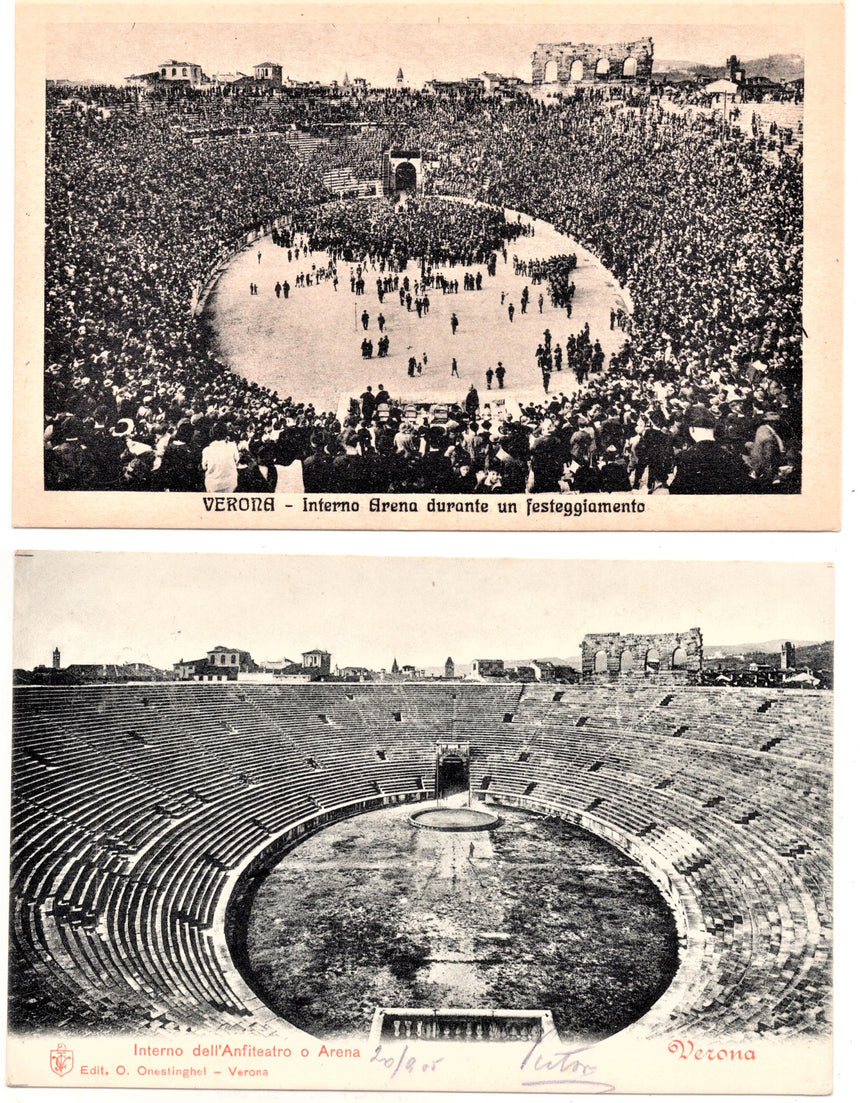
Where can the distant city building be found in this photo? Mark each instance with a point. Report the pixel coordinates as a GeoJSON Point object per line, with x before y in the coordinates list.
{"type": "Point", "coordinates": [355, 673]}
{"type": "Point", "coordinates": [181, 72]}
{"type": "Point", "coordinates": [735, 71]}
{"type": "Point", "coordinates": [232, 657]}
{"type": "Point", "coordinates": [222, 80]}
{"type": "Point", "coordinates": [487, 668]}
{"type": "Point", "coordinates": [89, 673]}
{"type": "Point", "coordinates": [270, 73]}
{"type": "Point", "coordinates": [491, 83]}
{"type": "Point", "coordinates": [445, 87]}
{"type": "Point", "coordinates": [220, 664]}
{"type": "Point", "coordinates": [788, 656]}
{"type": "Point", "coordinates": [395, 669]}
{"type": "Point", "coordinates": [449, 667]}
{"type": "Point", "coordinates": [317, 662]}
{"type": "Point", "coordinates": [545, 671]}
{"type": "Point", "coordinates": [399, 78]}
{"type": "Point", "coordinates": [279, 666]}
{"type": "Point", "coordinates": [143, 80]}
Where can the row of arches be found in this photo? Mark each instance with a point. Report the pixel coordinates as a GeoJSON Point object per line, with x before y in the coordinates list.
{"type": "Point", "coordinates": [577, 70]}
{"type": "Point", "coordinates": [678, 661]}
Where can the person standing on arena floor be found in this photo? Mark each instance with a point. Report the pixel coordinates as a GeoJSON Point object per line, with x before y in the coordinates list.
{"type": "Point", "coordinates": [220, 462]}
{"type": "Point", "coordinates": [489, 379]}
{"type": "Point", "coordinates": [381, 322]}
{"type": "Point", "coordinates": [277, 290]}
{"type": "Point", "coordinates": [500, 375]}
{"type": "Point", "coordinates": [454, 370]}
{"type": "Point", "coordinates": [455, 321]}
{"type": "Point", "coordinates": [510, 312]}
{"type": "Point", "coordinates": [365, 320]}
{"type": "Point", "coordinates": [368, 404]}
{"type": "Point", "coordinates": [285, 287]}
{"type": "Point", "coordinates": [259, 256]}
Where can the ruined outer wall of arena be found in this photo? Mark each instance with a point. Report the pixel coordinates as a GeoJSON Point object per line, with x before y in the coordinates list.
{"type": "Point", "coordinates": [569, 63]}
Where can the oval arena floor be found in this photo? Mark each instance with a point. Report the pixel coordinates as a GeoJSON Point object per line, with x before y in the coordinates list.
{"type": "Point", "coordinates": [141, 812]}
{"type": "Point", "coordinates": [308, 346]}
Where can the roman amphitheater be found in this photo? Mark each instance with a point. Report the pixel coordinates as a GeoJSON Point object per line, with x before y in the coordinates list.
{"type": "Point", "coordinates": [152, 823]}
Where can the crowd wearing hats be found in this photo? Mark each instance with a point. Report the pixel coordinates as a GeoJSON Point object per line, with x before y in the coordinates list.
{"type": "Point", "coordinates": [702, 230]}
{"type": "Point", "coordinates": [434, 230]}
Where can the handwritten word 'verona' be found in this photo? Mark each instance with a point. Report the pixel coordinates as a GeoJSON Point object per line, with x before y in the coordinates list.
{"type": "Point", "coordinates": [688, 1051]}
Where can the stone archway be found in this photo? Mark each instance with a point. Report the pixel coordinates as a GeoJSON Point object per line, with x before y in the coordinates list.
{"type": "Point", "coordinates": [652, 660]}
{"type": "Point", "coordinates": [405, 177]}
{"type": "Point", "coordinates": [651, 656]}
{"type": "Point", "coordinates": [453, 776]}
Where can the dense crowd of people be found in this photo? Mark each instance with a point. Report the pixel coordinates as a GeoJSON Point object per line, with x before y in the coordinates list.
{"type": "Point", "coordinates": [434, 231]}
{"type": "Point", "coordinates": [704, 233]}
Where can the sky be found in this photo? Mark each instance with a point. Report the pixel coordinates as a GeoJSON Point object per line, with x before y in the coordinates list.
{"type": "Point", "coordinates": [363, 46]}
{"type": "Point", "coordinates": [158, 608]}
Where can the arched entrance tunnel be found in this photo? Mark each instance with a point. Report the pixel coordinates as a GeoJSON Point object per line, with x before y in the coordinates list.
{"type": "Point", "coordinates": [452, 776]}
{"type": "Point", "coordinates": [405, 177]}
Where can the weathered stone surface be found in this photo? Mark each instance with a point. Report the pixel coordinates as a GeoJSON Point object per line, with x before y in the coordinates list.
{"type": "Point", "coordinates": [646, 655]}
{"type": "Point", "coordinates": [570, 63]}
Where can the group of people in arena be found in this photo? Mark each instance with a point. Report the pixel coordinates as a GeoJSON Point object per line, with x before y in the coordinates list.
{"type": "Point", "coordinates": [701, 228]}
{"type": "Point", "coordinates": [435, 230]}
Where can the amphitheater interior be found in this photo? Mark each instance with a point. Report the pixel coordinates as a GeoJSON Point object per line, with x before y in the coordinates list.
{"type": "Point", "coordinates": [139, 810]}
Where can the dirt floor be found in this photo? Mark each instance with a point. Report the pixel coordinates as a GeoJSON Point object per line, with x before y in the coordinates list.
{"type": "Point", "coordinates": [308, 347]}
{"type": "Point", "coordinates": [534, 914]}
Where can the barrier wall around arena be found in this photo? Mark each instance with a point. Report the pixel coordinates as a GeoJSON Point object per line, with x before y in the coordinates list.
{"type": "Point", "coordinates": [236, 899]}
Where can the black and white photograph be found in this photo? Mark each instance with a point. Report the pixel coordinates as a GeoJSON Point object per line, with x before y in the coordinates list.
{"type": "Point", "coordinates": [421, 824]}
{"type": "Point", "coordinates": [430, 271]}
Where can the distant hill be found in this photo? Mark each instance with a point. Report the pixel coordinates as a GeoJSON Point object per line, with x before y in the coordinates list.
{"type": "Point", "coordinates": [817, 655]}
{"type": "Point", "coordinates": [778, 67]}
{"type": "Point", "coordinates": [768, 647]}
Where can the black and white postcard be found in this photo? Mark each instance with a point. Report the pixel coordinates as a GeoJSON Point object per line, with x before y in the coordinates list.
{"type": "Point", "coordinates": [429, 267]}
{"type": "Point", "coordinates": [421, 824]}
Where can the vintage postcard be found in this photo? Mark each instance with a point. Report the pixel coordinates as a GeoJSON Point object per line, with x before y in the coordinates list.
{"type": "Point", "coordinates": [372, 824]}
{"type": "Point", "coordinates": [429, 267]}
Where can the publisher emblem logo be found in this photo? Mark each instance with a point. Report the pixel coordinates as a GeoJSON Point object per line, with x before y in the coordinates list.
{"type": "Point", "coordinates": [62, 1060]}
